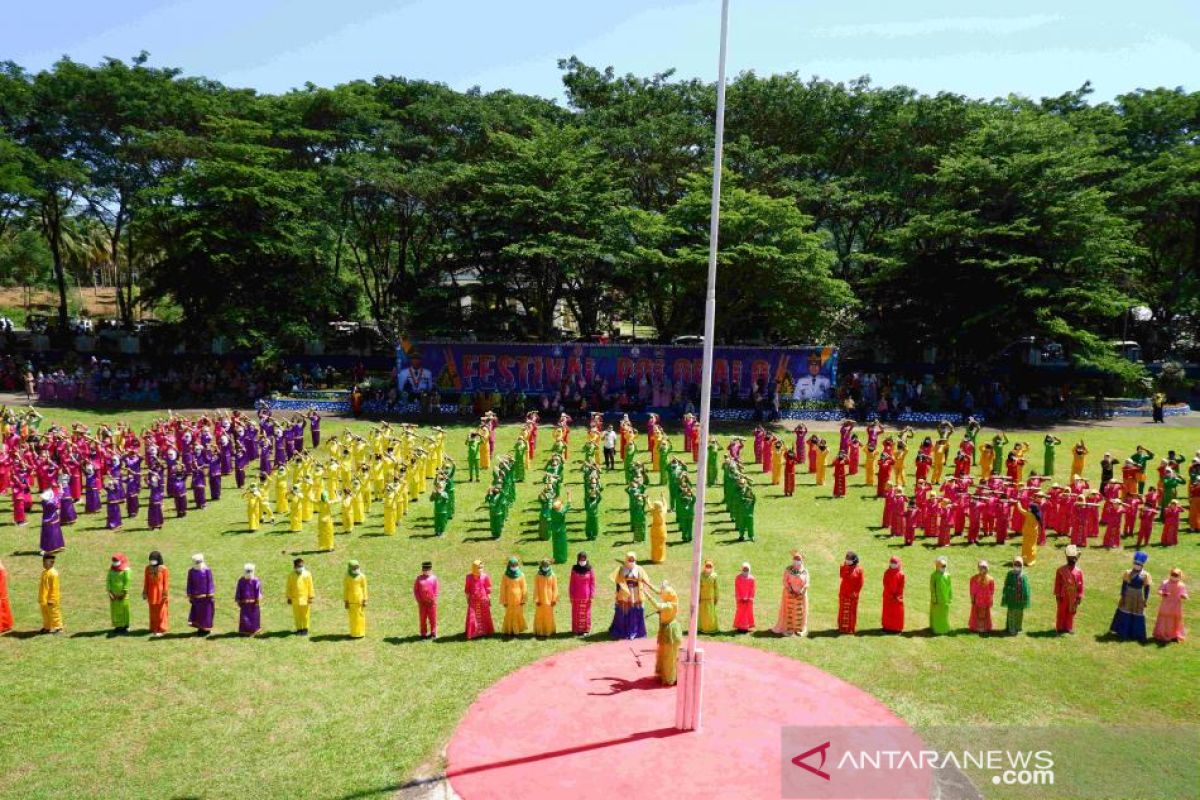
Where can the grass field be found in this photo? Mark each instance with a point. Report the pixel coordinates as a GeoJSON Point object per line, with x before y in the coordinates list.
{"type": "Point", "coordinates": [88, 715]}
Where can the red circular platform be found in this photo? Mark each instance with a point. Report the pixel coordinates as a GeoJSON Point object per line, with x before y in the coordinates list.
{"type": "Point", "coordinates": [592, 722]}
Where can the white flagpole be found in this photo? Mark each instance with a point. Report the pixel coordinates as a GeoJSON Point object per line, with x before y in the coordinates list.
{"type": "Point", "coordinates": [689, 691]}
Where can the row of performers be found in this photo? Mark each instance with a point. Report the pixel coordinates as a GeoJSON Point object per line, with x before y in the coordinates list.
{"type": "Point", "coordinates": [71, 467]}
{"type": "Point", "coordinates": [997, 507]}
{"type": "Point", "coordinates": [391, 464]}
{"type": "Point", "coordinates": [633, 591]}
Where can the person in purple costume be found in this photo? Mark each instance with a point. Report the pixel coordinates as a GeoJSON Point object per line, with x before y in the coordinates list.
{"type": "Point", "coordinates": [248, 596]}
{"type": "Point", "coordinates": [154, 511]}
{"type": "Point", "coordinates": [66, 508]}
{"type": "Point", "coordinates": [314, 427]}
{"type": "Point", "coordinates": [198, 485]}
{"type": "Point", "coordinates": [133, 504]}
{"type": "Point", "coordinates": [112, 498]}
{"type": "Point", "coordinates": [214, 477]}
{"type": "Point", "coordinates": [201, 590]}
{"type": "Point", "coordinates": [52, 538]}
{"type": "Point", "coordinates": [91, 490]}
{"type": "Point", "coordinates": [179, 487]}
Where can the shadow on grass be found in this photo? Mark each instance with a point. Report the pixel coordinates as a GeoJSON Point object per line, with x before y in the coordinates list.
{"type": "Point", "coordinates": [471, 539]}
{"type": "Point", "coordinates": [332, 637]}
{"type": "Point", "coordinates": [404, 639]}
{"type": "Point", "coordinates": [309, 552]}
{"type": "Point", "coordinates": [107, 633]}
{"type": "Point", "coordinates": [178, 635]}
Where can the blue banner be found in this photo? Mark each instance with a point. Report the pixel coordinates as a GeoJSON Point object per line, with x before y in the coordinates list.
{"type": "Point", "coordinates": [801, 373]}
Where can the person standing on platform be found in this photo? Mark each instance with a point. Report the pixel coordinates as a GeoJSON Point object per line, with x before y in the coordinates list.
{"type": "Point", "coordinates": [156, 585]}
{"type": "Point", "coordinates": [354, 597]}
{"type": "Point", "coordinates": [582, 589]}
{"type": "Point", "coordinates": [848, 593]}
{"type": "Point", "coordinates": [513, 594]}
{"type": "Point", "coordinates": [1015, 596]}
{"type": "Point", "coordinates": [117, 584]}
{"type": "Point", "coordinates": [300, 595]}
{"type": "Point", "coordinates": [709, 596]}
{"type": "Point", "coordinates": [669, 635]}
{"type": "Point", "coordinates": [629, 618]}
{"type": "Point", "coordinates": [1068, 591]}
{"type": "Point", "coordinates": [50, 597]}
{"type": "Point", "coordinates": [201, 592]}
{"type": "Point", "coordinates": [893, 596]}
{"type": "Point", "coordinates": [940, 594]}
{"type": "Point", "coordinates": [425, 592]}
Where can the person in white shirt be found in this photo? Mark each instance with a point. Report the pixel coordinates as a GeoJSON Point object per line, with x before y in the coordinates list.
{"type": "Point", "coordinates": [610, 448]}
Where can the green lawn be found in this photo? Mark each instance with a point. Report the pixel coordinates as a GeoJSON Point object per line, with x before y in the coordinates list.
{"type": "Point", "coordinates": [86, 715]}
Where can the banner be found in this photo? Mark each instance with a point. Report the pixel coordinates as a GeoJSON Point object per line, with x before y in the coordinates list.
{"type": "Point", "coordinates": [802, 373]}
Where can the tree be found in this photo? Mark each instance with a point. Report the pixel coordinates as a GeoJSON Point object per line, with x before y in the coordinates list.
{"type": "Point", "coordinates": [547, 223]}
{"type": "Point", "coordinates": [1017, 238]}
{"type": "Point", "coordinates": [774, 271]}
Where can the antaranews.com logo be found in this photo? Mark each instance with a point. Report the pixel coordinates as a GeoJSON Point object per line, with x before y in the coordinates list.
{"type": "Point", "coordinates": [870, 763]}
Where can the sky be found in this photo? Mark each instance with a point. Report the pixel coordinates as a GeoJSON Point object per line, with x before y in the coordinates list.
{"type": "Point", "coordinates": [977, 49]}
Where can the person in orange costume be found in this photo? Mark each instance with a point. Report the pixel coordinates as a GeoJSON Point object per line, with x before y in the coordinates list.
{"type": "Point", "coordinates": [156, 586]}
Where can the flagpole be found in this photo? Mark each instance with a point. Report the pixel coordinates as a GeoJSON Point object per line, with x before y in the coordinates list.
{"type": "Point", "coordinates": [690, 686]}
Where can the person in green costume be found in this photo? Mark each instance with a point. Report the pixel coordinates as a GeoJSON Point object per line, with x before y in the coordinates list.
{"type": "Point", "coordinates": [714, 449]}
{"type": "Point", "coordinates": [473, 442]}
{"type": "Point", "coordinates": [496, 510]}
{"type": "Point", "coordinates": [1141, 457]}
{"type": "Point", "coordinates": [441, 508]}
{"type": "Point", "coordinates": [118, 592]}
{"type": "Point", "coordinates": [591, 507]}
{"type": "Point", "coordinates": [545, 501]}
{"type": "Point", "coordinates": [940, 594]}
{"type": "Point", "coordinates": [1015, 596]}
{"type": "Point", "coordinates": [558, 529]}
{"type": "Point", "coordinates": [1051, 443]}
{"type": "Point", "coordinates": [519, 459]}
{"type": "Point", "coordinates": [1171, 483]}
{"type": "Point", "coordinates": [998, 442]}
{"type": "Point", "coordinates": [630, 456]}
{"type": "Point", "coordinates": [685, 515]}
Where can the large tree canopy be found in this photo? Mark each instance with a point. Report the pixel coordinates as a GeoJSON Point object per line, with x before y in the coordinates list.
{"type": "Point", "coordinates": [906, 220]}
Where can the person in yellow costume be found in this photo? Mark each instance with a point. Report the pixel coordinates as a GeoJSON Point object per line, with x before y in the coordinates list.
{"type": "Point", "coordinates": [389, 510]}
{"type": "Point", "coordinates": [253, 507]}
{"type": "Point", "coordinates": [401, 495]}
{"type": "Point", "coordinates": [300, 594]}
{"type": "Point", "coordinates": [512, 597]}
{"type": "Point", "coordinates": [987, 456]}
{"type": "Point", "coordinates": [324, 523]}
{"type": "Point", "coordinates": [709, 594]}
{"type": "Point", "coordinates": [658, 530]}
{"type": "Point", "coordinates": [941, 449]}
{"type": "Point", "coordinates": [485, 452]}
{"type": "Point", "coordinates": [1079, 455]}
{"type": "Point", "coordinates": [545, 598]}
{"type": "Point", "coordinates": [311, 493]}
{"type": "Point", "coordinates": [354, 595]}
{"type": "Point", "coordinates": [822, 459]}
{"type": "Point", "coordinates": [776, 461]}
{"type": "Point", "coordinates": [50, 597]}
{"type": "Point", "coordinates": [898, 465]}
{"type": "Point", "coordinates": [295, 510]}
{"type": "Point", "coordinates": [356, 503]}
{"type": "Point", "coordinates": [347, 511]}
{"type": "Point", "coordinates": [669, 635]}
{"type": "Point", "coordinates": [279, 487]}
{"type": "Point", "coordinates": [869, 465]}
{"type": "Point", "coordinates": [415, 482]}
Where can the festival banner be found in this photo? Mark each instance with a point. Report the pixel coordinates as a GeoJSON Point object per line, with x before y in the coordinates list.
{"type": "Point", "coordinates": [802, 373]}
